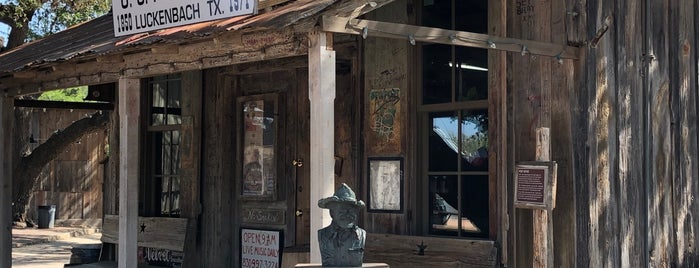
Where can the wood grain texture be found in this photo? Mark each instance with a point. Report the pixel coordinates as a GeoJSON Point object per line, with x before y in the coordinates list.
{"type": "Point", "coordinates": [6, 140]}
{"type": "Point", "coordinates": [217, 225]}
{"type": "Point", "coordinates": [129, 133]}
{"type": "Point", "coordinates": [380, 74]}
{"type": "Point", "coordinates": [685, 180]}
{"type": "Point", "coordinates": [159, 232]}
{"type": "Point", "coordinates": [399, 250]}
{"type": "Point", "coordinates": [629, 120]}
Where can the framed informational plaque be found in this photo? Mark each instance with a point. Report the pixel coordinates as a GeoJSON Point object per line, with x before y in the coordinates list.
{"type": "Point", "coordinates": [385, 180]}
{"type": "Point", "coordinates": [534, 183]}
{"type": "Point", "coordinates": [258, 144]}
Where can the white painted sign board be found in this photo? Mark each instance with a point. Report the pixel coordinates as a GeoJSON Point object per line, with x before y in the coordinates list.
{"type": "Point", "coordinates": [138, 16]}
{"type": "Point", "coordinates": [260, 248]}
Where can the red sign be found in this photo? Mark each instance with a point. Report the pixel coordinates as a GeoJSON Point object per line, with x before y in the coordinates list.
{"type": "Point", "coordinates": [533, 185]}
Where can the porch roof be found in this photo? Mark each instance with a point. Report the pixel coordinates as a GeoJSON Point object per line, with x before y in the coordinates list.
{"type": "Point", "coordinates": [89, 53]}
{"type": "Point", "coordinates": [96, 37]}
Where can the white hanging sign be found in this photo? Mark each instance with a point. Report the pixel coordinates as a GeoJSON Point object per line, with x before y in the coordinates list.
{"type": "Point", "coordinates": [137, 16]}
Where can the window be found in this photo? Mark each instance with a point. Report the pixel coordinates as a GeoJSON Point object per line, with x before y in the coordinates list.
{"type": "Point", "coordinates": [454, 107]}
{"type": "Point", "coordinates": [160, 187]}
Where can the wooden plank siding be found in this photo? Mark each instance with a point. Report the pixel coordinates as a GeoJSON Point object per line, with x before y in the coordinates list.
{"type": "Point", "coordinates": [682, 54]}
{"type": "Point", "coordinates": [73, 181]}
{"type": "Point", "coordinates": [562, 88]}
{"type": "Point", "coordinates": [217, 180]}
{"type": "Point", "coordinates": [635, 133]}
{"type": "Point", "coordinates": [626, 177]}
{"type": "Point", "coordinates": [380, 73]}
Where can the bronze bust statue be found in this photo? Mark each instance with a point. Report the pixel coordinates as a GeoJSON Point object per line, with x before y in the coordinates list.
{"type": "Point", "coordinates": [342, 242]}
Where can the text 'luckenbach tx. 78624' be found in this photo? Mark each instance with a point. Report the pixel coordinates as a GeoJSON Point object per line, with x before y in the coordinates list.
{"type": "Point", "coordinates": [137, 16]}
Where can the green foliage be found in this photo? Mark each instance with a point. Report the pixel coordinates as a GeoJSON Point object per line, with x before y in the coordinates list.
{"type": "Point", "coordinates": [76, 94]}
{"type": "Point", "coordinates": [45, 17]}
{"type": "Point", "coordinates": [57, 15]}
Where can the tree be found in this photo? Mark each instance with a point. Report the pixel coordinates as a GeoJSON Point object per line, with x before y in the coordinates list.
{"type": "Point", "coordinates": [29, 20]}
{"type": "Point", "coordinates": [32, 19]}
{"type": "Point", "coordinates": [26, 172]}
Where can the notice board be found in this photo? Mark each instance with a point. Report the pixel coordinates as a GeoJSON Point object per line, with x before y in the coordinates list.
{"type": "Point", "coordinates": [535, 185]}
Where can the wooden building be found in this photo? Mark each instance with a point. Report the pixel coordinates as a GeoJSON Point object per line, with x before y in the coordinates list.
{"type": "Point", "coordinates": [73, 181]}
{"type": "Point", "coordinates": [427, 108]}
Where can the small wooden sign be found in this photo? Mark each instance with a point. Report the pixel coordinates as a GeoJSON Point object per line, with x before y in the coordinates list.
{"type": "Point", "coordinates": [263, 216]}
{"type": "Point", "coordinates": [534, 183]}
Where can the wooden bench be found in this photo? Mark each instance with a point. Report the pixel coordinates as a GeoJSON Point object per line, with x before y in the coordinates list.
{"type": "Point", "coordinates": [399, 250]}
{"type": "Point", "coordinates": [154, 233]}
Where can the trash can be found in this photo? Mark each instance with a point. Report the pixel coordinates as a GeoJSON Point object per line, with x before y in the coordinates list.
{"type": "Point", "coordinates": [47, 214]}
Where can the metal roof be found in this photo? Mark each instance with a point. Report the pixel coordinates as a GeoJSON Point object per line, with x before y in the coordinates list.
{"type": "Point", "coordinates": [96, 37]}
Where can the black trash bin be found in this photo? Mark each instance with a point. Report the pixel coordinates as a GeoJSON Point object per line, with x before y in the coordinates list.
{"type": "Point", "coordinates": [47, 215]}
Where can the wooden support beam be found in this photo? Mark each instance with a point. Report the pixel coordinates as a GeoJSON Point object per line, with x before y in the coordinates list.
{"type": "Point", "coordinates": [64, 105]}
{"type": "Point", "coordinates": [6, 141]}
{"type": "Point", "coordinates": [444, 36]}
{"type": "Point", "coordinates": [321, 92]}
{"type": "Point", "coordinates": [543, 218]}
{"type": "Point", "coordinates": [165, 49]}
{"type": "Point", "coordinates": [129, 122]}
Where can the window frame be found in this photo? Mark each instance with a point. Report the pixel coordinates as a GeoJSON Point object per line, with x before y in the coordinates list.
{"type": "Point", "coordinates": [422, 136]}
{"type": "Point", "coordinates": [150, 186]}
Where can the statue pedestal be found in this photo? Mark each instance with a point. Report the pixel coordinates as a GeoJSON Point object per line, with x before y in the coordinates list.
{"type": "Point", "coordinates": [318, 265]}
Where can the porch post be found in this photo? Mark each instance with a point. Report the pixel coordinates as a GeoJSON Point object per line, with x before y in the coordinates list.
{"type": "Point", "coordinates": [129, 121]}
{"type": "Point", "coordinates": [321, 86]}
{"type": "Point", "coordinates": [6, 139]}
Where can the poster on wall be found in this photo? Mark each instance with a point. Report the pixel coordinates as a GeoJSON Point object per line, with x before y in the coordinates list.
{"type": "Point", "coordinates": [258, 140]}
{"type": "Point", "coordinates": [385, 184]}
{"type": "Point", "coordinates": [384, 121]}
{"type": "Point", "coordinates": [260, 248]}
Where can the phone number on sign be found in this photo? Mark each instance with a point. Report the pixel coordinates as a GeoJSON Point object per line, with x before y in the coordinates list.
{"type": "Point", "coordinates": [253, 263]}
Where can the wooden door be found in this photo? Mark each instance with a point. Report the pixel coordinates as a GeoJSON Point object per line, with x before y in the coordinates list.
{"type": "Point", "coordinates": [299, 132]}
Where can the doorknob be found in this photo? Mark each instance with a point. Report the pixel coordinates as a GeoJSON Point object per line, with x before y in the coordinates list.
{"type": "Point", "coordinates": [299, 213]}
{"type": "Point", "coordinates": [297, 162]}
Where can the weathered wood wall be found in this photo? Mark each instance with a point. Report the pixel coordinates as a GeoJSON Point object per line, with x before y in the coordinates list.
{"type": "Point", "coordinates": [216, 235]}
{"type": "Point", "coordinates": [73, 181]}
{"type": "Point", "coordinates": [386, 67]}
{"type": "Point", "coordinates": [538, 90]}
{"type": "Point", "coordinates": [635, 127]}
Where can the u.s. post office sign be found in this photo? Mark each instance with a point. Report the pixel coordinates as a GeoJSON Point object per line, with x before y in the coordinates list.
{"type": "Point", "coordinates": [137, 16]}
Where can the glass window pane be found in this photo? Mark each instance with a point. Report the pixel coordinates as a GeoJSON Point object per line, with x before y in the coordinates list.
{"type": "Point", "coordinates": [443, 142]}
{"type": "Point", "coordinates": [436, 13]}
{"type": "Point", "coordinates": [444, 213]}
{"type": "Point", "coordinates": [474, 206]}
{"type": "Point", "coordinates": [436, 74]}
{"type": "Point", "coordinates": [471, 74]}
{"type": "Point", "coordinates": [472, 16]}
{"type": "Point", "coordinates": [474, 140]}
{"type": "Point", "coordinates": [158, 104]}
